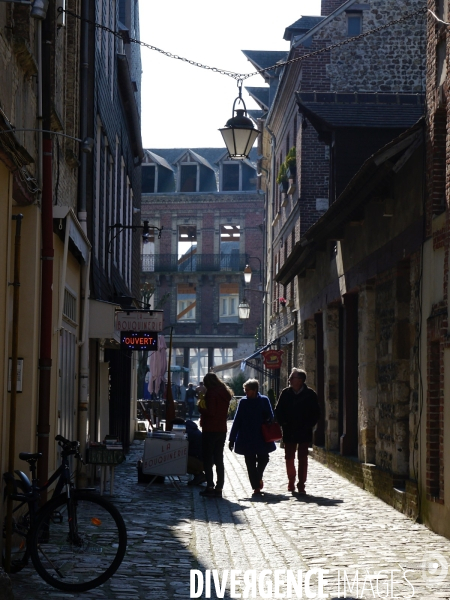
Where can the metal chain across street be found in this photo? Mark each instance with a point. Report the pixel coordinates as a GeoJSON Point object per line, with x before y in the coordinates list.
{"type": "Point", "coordinates": [240, 77]}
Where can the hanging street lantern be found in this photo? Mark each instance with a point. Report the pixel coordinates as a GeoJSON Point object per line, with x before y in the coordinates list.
{"type": "Point", "coordinates": [239, 133]}
{"type": "Point", "coordinates": [244, 309]}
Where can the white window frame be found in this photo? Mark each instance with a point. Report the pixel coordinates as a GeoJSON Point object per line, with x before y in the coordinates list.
{"type": "Point", "coordinates": [226, 305]}
{"type": "Point", "coordinates": [182, 304]}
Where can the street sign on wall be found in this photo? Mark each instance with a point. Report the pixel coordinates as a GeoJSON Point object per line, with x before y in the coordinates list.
{"type": "Point", "coordinates": [139, 320]}
{"type": "Point", "coordinates": [272, 358]}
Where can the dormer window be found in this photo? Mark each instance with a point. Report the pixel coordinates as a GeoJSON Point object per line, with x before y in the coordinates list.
{"type": "Point", "coordinates": [188, 178]}
{"type": "Point", "coordinates": [237, 177]}
{"type": "Point", "coordinates": [230, 177]}
{"type": "Point", "coordinates": [157, 175]}
{"type": "Point", "coordinates": [148, 179]}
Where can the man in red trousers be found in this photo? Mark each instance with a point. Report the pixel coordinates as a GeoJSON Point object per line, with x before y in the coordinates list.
{"type": "Point", "coordinates": [297, 411]}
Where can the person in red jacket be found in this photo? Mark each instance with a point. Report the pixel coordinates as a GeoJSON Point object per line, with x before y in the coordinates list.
{"type": "Point", "coordinates": [213, 421]}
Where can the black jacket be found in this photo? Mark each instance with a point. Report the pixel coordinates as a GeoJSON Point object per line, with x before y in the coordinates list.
{"type": "Point", "coordinates": [297, 414]}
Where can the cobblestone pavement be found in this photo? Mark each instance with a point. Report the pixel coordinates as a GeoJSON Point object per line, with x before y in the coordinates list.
{"type": "Point", "coordinates": [337, 527]}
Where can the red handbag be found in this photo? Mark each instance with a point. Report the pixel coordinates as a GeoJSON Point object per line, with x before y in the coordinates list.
{"type": "Point", "coordinates": [271, 432]}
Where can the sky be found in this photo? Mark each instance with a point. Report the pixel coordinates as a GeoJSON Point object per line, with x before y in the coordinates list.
{"type": "Point", "coordinates": [182, 105]}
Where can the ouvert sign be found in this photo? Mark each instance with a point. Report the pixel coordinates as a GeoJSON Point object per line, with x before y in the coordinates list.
{"type": "Point", "coordinates": [139, 320]}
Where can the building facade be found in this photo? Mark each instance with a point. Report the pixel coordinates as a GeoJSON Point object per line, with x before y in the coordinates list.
{"type": "Point", "coordinates": [52, 102]}
{"type": "Point", "coordinates": [113, 219]}
{"type": "Point", "coordinates": [346, 235]}
{"type": "Point", "coordinates": [212, 220]}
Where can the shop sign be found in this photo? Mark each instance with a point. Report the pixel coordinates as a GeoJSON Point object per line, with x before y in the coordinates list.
{"type": "Point", "coordinates": [139, 340]}
{"type": "Point", "coordinates": [139, 320]}
{"type": "Point", "coordinates": [272, 358]}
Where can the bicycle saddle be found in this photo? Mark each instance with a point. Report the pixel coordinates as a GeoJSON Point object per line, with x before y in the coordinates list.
{"type": "Point", "coordinates": [30, 455]}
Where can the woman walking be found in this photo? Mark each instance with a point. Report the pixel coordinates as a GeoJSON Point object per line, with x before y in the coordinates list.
{"type": "Point", "coordinates": [213, 411]}
{"type": "Point", "coordinates": [246, 433]}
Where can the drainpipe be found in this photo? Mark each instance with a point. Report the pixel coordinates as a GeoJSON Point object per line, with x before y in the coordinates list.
{"type": "Point", "coordinates": [83, 392]}
{"type": "Point", "coordinates": [13, 402]}
{"type": "Point", "coordinates": [271, 199]}
{"type": "Point", "coordinates": [47, 255]}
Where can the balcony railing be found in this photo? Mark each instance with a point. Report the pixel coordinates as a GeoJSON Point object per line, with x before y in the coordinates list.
{"type": "Point", "coordinates": [159, 263]}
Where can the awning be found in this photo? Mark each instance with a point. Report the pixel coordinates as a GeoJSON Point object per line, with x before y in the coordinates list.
{"type": "Point", "coordinates": [257, 353]}
{"type": "Point", "coordinates": [229, 365]}
{"type": "Point", "coordinates": [76, 233]}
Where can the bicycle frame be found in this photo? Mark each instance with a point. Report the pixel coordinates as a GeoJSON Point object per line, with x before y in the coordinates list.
{"type": "Point", "coordinates": [32, 491]}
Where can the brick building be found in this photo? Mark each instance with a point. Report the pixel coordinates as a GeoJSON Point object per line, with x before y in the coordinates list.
{"type": "Point", "coordinates": [212, 218]}
{"type": "Point", "coordinates": [377, 63]}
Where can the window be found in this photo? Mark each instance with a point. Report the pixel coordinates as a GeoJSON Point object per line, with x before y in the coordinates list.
{"type": "Point", "coordinates": [354, 24]}
{"type": "Point", "coordinates": [187, 247]}
{"type": "Point", "coordinates": [229, 247]}
{"type": "Point", "coordinates": [148, 179]}
{"type": "Point", "coordinates": [228, 303]}
{"type": "Point", "coordinates": [442, 9]}
{"type": "Point", "coordinates": [70, 306]}
{"type": "Point", "coordinates": [230, 177]}
{"type": "Point", "coordinates": [186, 302]}
{"type": "Point", "coordinates": [441, 61]}
{"type": "Point", "coordinates": [188, 178]}
{"type": "Point", "coordinates": [198, 364]}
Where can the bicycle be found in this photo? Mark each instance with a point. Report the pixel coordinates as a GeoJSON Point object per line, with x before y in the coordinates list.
{"type": "Point", "coordinates": [76, 540]}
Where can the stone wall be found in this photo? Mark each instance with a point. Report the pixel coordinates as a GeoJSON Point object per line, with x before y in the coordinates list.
{"type": "Point", "coordinates": [394, 57]}
{"type": "Point", "coordinates": [371, 478]}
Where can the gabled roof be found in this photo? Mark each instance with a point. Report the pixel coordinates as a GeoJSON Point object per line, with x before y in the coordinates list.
{"type": "Point", "coordinates": [303, 25]}
{"type": "Point", "coordinates": [261, 59]}
{"type": "Point", "coordinates": [260, 95]}
{"type": "Point", "coordinates": [201, 160]}
{"type": "Point", "coordinates": [357, 193]}
{"type": "Point", "coordinates": [256, 114]}
{"type": "Point", "coordinates": [332, 110]}
{"type": "Point", "coordinates": [158, 159]}
{"type": "Point", "coordinates": [324, 20]}
{"type": "Point", "coordinates": [212, 155]}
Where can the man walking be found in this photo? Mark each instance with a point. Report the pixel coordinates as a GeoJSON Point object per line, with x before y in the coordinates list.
{"type": "Point", "coordinates": [297, 411]}
{"type": "Point", "coordinates": [190, 399]}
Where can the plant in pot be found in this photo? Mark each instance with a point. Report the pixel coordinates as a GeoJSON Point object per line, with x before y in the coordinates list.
{"type": "Point", "coordinates": [282, 301]}
{"type": "Point", "coordinates": [291, 164]}
{"type": "Point", "coordinates": [282, 179]}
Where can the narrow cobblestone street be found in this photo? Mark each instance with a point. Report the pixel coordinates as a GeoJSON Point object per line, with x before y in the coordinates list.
{"type": "Point", "coordinates": [337, 527]}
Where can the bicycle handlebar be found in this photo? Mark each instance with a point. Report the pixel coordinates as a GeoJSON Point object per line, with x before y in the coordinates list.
{"type": "Point", "coordinates": [67, 445]}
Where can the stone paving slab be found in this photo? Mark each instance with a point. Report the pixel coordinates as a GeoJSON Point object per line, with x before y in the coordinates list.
{"type": "Point", "coordinates": [338, 528]}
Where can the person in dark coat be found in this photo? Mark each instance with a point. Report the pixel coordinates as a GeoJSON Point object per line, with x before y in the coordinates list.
{"type": "Point", "coordinates": [190, 399]}
{"type": "Point", "coordinates": [297, 412]}
{"type": "Point", "coordinates": [246, 435]}
{"type": "Point", "coordinates": [213, 421]}
{"type": "Point", "coordinates": [195, 457]}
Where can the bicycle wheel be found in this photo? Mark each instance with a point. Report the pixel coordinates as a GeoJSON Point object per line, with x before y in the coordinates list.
{"type": "Point", "coordinates": [86, 558]}
{"type": "Point", "coordinates": [20, 530]}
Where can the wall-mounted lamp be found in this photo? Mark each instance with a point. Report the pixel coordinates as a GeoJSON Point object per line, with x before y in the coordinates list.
{"type": "Point", "coordinates": [38, 7]}
{"type": "Point", "coordinates": [244, 309]}
{"type": "Point", "coordinates": [86, 145]}
{"type": "Point", "coordinates": [119, 227]}
{"type": "Point", "coordinates": [248, 270]}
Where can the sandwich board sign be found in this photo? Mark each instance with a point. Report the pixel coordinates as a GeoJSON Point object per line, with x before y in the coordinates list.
{"type": "Point", "coordinates": [165, 457]}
